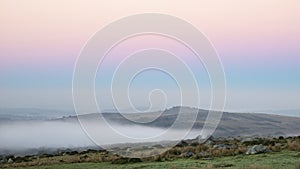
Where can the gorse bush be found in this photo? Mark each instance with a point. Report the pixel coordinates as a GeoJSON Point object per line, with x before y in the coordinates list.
{"type": "Point", "coordinates": [294, 144]}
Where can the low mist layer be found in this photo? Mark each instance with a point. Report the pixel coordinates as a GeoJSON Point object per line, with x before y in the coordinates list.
{"type": "Point", "coordinates": [22, 135]}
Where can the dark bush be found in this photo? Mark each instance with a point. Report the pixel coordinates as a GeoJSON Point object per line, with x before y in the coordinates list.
{"type": "Point", "coordinates": [122, 160]}
{"type": "Point", "coordinates": [134, 160]}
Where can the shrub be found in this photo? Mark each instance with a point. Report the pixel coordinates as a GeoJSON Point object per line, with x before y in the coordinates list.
{"type": "Point", "coordinates": [201, 148]}
{"type": "Point", "coordinates": [275, 148]}
{"type": "Point", "coordinates": [294, 145]}
{"type": "Point", "coordinates": [159, 158]}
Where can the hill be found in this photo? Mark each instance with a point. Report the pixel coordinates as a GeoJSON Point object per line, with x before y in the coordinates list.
{"type": "Point", "coordinates": [231, 124]}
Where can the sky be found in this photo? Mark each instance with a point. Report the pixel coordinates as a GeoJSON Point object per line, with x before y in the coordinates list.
{"type": "Point", "coordinates": [257, 42]}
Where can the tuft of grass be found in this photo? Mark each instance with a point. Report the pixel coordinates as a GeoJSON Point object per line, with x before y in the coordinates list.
{"type": "Point", "coordinates": [297, 166]}
{"type": "Point", "coordinates": [258, 167]}
{"type": "Point", "coordinates": [222, 165]}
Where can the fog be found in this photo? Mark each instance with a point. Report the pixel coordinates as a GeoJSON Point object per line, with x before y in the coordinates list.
{"type": "Point", "coordinates": [22, 135]}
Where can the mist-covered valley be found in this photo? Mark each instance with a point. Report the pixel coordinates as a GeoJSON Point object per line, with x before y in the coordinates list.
{"type": "Point", "coordinates": [46, 136]}
{"type": "Point", "coordinates": [32, 136]}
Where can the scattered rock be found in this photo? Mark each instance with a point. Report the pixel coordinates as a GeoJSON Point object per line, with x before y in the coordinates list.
{"type": "Point", "coordinates": [222, 146]}
{"type": "Point", "coordinates": [209, 143]}
{"type": "Point", "coordinates": [194, 142]}
{"type": "Point", "coordinates": [258, 149]}
{"type": "Point", "coordinates": [10, 160]}
{"type": "Point", "coordinates": [189, 154]}
{"type": "Point", "coordinates": [248, 139]}
{"type": "Point", "coordinates": [204, 154]}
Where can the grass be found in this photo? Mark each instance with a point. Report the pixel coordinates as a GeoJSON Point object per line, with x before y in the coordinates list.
{"type": "Point", "coordinates": [285, 154]}
{"type": "Point", "coordinates": [274, 160]}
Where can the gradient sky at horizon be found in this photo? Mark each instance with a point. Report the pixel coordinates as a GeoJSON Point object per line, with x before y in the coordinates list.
{"type": "Point", "coordinates": [258, 43]}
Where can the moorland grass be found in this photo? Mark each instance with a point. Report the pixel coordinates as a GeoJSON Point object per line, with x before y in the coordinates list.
{"type": "Point", "coordinates": [274, 160]}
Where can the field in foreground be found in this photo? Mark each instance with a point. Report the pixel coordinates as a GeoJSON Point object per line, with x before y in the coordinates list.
{"type": "Point", "coordinates": [274, 160]}
{"type": "Point", "coordinates": [239, 153]}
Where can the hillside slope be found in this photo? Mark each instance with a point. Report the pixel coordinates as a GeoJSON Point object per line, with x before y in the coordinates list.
{"type": "Point", "coordinates": [231, 124]}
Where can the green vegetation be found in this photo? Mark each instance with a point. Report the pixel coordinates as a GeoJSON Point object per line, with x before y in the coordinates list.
{"type": "Point", "coordinates": [276, 160]}
{"type": "Point", "coordinates": [283, 153]}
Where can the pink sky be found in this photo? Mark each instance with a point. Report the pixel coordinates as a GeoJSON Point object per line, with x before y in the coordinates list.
{"type": "Point", "coordinates": [29, 28]}
{"type": "Point", "coordinates": [257, 41]}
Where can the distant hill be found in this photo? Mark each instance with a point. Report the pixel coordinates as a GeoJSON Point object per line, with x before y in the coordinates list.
{"type": "Point", "coordinates": [231, 124]}
{"type": "Point", "coordinates": [13, 114]}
